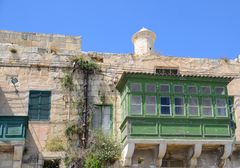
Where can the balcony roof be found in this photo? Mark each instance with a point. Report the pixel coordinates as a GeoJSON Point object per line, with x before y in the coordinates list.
{"type": "Point", "coordinates": [182, 77]}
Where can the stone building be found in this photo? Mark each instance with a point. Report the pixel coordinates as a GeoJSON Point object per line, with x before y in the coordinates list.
{"type": "Point", "coordinates": [166, 111]}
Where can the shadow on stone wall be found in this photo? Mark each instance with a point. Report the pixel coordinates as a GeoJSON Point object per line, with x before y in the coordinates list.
{"type": "Point", "coordinates": [5, 107]}
{"type": "Point", "coordinates": [31, 154]}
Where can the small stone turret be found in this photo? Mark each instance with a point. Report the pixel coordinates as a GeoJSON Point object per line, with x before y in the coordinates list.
{"type": "Point", "coordinates": [143, 42]}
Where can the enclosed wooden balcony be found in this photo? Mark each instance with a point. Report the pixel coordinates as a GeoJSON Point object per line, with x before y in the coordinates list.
{"type": "Point", "coordinates": [13, 128]}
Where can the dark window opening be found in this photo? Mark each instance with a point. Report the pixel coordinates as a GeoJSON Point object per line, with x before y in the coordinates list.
{"type": "Point", "coordinates": [167, 71]}
{"type": "Point", "coordinates": [51, 163]}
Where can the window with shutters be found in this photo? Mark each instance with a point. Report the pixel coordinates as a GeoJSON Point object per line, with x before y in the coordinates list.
{"type": "Point", "coordinates": [102, 118]}
{"type": "Point", "coordinates": [39, 105]}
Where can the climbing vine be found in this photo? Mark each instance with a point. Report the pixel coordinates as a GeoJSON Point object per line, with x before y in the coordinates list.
{"type": "Point", "coordinates": [84, 148]}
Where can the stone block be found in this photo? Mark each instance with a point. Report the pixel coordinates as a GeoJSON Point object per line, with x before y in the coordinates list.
{"type": "Point", "coordinates": [18, 152]}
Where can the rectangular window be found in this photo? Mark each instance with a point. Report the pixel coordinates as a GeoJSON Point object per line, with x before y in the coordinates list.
{"type": "Point", "coordinates": [193, 106]}
{"type": "Point", "coordinates": [102, 118]}
{"type": "Point", "coordinates": [136, 104]}
{"type": "Point", "coordinates": [39, 105]}
{"type": "Point", "coordinates": [149, 87]}
{"type": "Point", "coordinates": [164, 88]}
{"type": "Point", "coordinates": [167, 71]}
{"type": "Point", "coordinates": [136, 87]}
{"type": "Point", "coordinates": [165, 105]}
{"type": "Point", "coordinates": [179, 105]}
{"type": "Point", "coordinates": [151, 105]}
{"type": "Point", "coordinates": [221, 106]}
{"type": "Point", "coordinates": [207, 106]}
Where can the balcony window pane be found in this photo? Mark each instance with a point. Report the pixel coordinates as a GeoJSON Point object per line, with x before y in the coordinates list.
{"type": "Point", "coordinates": [179, 105]}
{"type": "Point", "coordinates": [221, 106]}
{"type": "Point", "coordinates": [178, 89]}
{"type": "Point", "coordinates": [164, 88]}
{"type": "Point", "coordinates": [220, 91]}
{"type": "Point", "coordinates": [206, 90]}
{"type": "Point", "coordinates": [136, 104]}
{"type": "Point", "coordinates": [193, 106]}
{"type": "Point", "coordinates": [207, 106]}
{"type": "Point", "coordinates": [136, 87]}
{"type": "Point", "coordinates": [165, 105]}
{"type": "Point", "coordinates": [150, 87]}
{"type": "Point", "coordinates": [150, 104]}
{"type": "Point", "coordinates": [193, 111]}
{"type": "Point", "coordinates": [192, 89]}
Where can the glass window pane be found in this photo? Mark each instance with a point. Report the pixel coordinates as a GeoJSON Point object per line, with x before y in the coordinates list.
{"type": "Point", "coordinates": [165, 101]}
{"type": "Point", "coordinates": [164, 88]}
{"type": "Point", "coordinates": [150, 87]}
{"type": "Point", "coordinates": [192, 89]}
{"type": "Point", "coordinates": [206, 90]}
{"type": "Point", "coordinates": [193, 101]}
{"type": "Point", "coordinates": [221, 102]}
{"type": "Point", "coordinates": [165, 105]}
{"type": "Point", "coordinates": [179, 110]}
{"type": "Point", "coordinates": [193, 111]}
{"type": "Point", "coordinates": [178, 89]}
{"type": "Point", "coordinates": [97, 117]}
{"type": "Point", "coordinates": [151, 104]}
{"type": "Point", "coordinates": [207, 111]}
{"type": "Point", "coordinates": [178, 101]}
{"type": "Point", "coordinates": [221, 111]}
{"type": "Point", "coordinates": [106, 119]}
{"type": "Point", "coordinates": [165, 109]}
{"type": "Point", "coordinates": [220, 91]}
{"type": "Point", "coordinates": [136, 87]}
{"type": "Point", "coordinates": [207, 106]}
{"type": "Point", "coordinates": [136, 99]}
{"type": "Point", "coordinates": [136, 109]}
{"type": "Point", "coordinates": [206, 102]}
{"type": "Point", "coordinates": [136, 104]}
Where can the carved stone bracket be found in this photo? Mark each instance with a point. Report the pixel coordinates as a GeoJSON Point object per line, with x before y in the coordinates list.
{"type": "Point", "coordinates": [227, 151]}
{"type": "Point", "coordinates": [161, 153]}
{"type": "Point", "coordinates": [194, 153]}
{"type": "Point", "coordinates": [127, 154]}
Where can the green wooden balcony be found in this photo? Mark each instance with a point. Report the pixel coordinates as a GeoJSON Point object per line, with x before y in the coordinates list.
{"type": "Point", "coordinates": [13, 127]}
{"type": "Point", "coordinates": [178, 128]}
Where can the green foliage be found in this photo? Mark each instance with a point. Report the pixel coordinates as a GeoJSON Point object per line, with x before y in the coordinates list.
{"type": "Point", "coordinates": [104, 150]}
{"type": "Point", "coordinates": [67, 82]}
{"type": "Point", "coordinates": [84, 64]}
{"type": "Point", "coordinates": [71, 129]}
{"type": "Point", "coordinates": [68, 159]}
{"type": "Point", "coordinates": [91, 161]}
{"type": "Point", "coordinates": [55, 144]}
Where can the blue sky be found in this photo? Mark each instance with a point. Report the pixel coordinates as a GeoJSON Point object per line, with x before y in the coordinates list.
{"type": "Point", "coordinates": [185, 28]}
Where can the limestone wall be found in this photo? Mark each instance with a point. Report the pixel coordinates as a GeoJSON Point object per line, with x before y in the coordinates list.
{"type": "Point", "coordinates": [39, 62]}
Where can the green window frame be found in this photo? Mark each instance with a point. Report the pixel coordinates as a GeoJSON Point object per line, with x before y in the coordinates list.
{"type": "Point", "coordinates": [198, 100]}
{"type": "Point", "coordinates": [193, 106]}
{"type": "Point", "coordinates": [207, 106]}
{"type": "Point", "coordinates": [102, 118]}
{"type": "Point", "coordinates": [179, 103]}
{"type": "Point", "coordinates": [136, 105]}
{"type": "Point", "coordinates": [39, 105]}
{"type": "Point", "coordinates": [221, 107]}
{"type": "Point", "coordinates": [151, 105]}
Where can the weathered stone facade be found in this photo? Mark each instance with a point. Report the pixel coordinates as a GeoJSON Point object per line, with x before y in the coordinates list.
{"type": "Point", "coordinates": [38, 62]}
